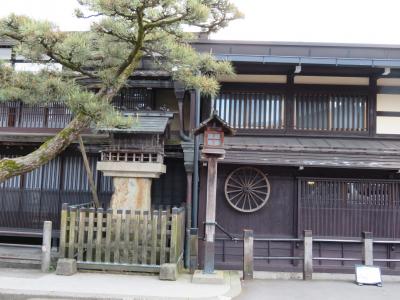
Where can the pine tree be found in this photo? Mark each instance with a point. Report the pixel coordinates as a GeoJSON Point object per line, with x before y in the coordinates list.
{"type": "Point", "coordinates": [122, 33]}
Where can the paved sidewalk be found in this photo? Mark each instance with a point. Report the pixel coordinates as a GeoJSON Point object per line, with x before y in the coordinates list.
{"type": "Point", "coordinates": [21, 284]}
{"type": "Point", "coordinates": [317, 289]}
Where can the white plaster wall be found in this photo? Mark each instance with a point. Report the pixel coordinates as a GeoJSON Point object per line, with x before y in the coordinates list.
{"type": "Point", "coordinates": [388, 125]}
{"type": "Point", "coordinates": [388, 82]}
{"type": "Point", "coordinates": [254, 78]}
{"type": "Point", "coordinates": [386, 102]}
{"type": "Point", "coordinates": [331, 80]}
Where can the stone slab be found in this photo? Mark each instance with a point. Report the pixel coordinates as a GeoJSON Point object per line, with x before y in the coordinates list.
{"type": "Point", "coordinates": [131, 169]}
{"type": "Point", "coordinates": [66, 267]}
{"type": "Point", "coordinates": [215, 278]}
{"type": "Point", "coordinates": [131, 193]}
{"type": "Point", "coordinates": [168, 272]}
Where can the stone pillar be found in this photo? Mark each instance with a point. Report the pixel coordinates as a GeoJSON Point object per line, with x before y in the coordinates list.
{"type": "Point", "coordinates": [131, 193]}
{"type": "Point", "coordinates": [132, 183]}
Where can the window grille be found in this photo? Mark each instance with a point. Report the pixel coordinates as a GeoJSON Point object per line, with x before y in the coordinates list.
{"type": "Point", "coordinates": [330, 112]}
{"type": "Point", "coordinates": [252, 110]}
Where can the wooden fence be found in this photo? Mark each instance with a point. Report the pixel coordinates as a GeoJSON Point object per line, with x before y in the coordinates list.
{"type": "Point", "coordinates": [122, 240]}
{"type": "Point", "coordinates": [364, 254]}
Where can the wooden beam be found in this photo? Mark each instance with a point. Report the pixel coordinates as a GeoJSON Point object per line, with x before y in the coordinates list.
{"type": "Point", "coordinates": [93, 188]}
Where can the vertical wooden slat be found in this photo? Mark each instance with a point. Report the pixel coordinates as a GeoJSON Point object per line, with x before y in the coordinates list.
{"type": "Point", "coordinates": [234, 108]}
{"type": "Point", "coordinates": [343, 110]}
{"type": "Point", "coordinates": [89, 251]}
{"type": "Point", "coordinates": [63, 229]}
{"type": "Point", "coordinates": [154, 235]}
{"type": "Point", "coordinates": [174, 235]}
{"type": "Point", "coordinates": [225, 112]}
{"type": "Point", "coordinates": [81, 232]}
{"type": "Point", "coordinates": [99, 234]}
{"type": "Point", "coordinates": [145, 219]}
{"type": "Point", "coordinates": [72, 235]}
{"type": "Point", "coordinates": [317, 101]}
{"type": "Point", "coordinates": [136, 224]}
{"type": "Point", "coordinates": [163, 236]}
{"type": "Point", "coordinates": [269, 101]}
{"type": "Point", "coordinates": [283, 107]}
{"type": "Point", "coordinates": [245, 110]}
{"type": "Point", "coordinates": [127, 228]}
{"type": "Point", "coordinates": [117, 238]}
{"type": "Point", "coordinates": [109, 229]}
{"type": "Point", "coordinates": [301, 112]}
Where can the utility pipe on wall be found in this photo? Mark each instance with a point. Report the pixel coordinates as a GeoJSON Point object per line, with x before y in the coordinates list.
{"type": "Point", "coordinates": [195, 199]}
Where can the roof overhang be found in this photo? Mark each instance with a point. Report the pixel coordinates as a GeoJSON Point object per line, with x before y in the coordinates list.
{"type": "Point", "coordinates": [143, 123]}
{"type": "Point", "coordinates": [313, 152]}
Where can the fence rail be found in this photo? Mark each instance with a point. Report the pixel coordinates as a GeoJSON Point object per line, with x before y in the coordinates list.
{"type": "Point", "coordinates": [122, 240]}
{"type": "Point", "coordinates": [366, 251]}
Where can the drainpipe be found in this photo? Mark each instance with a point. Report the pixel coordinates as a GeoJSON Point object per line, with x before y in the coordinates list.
{"type": "Point", "coordinates": [187, 147]}
{"type": "Point", "coordinates": [195, 202]}
{"type": "Point", "coordinates": [180, 94]}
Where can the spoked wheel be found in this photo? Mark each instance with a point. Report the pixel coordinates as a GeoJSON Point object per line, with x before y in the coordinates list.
{"type": "Point", "coordinates": [247, 189]}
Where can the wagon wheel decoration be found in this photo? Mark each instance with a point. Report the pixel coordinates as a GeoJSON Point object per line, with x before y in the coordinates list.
{"type": "Point", "coordinates": [247, 189]}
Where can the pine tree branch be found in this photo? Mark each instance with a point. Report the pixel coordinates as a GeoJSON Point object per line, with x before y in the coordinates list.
{"type": "Point", "coordinates": [46, 152]}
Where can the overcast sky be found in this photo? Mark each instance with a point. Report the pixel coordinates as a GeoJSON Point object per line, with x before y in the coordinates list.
{"type": "Point", "coordinates": [348, 21]}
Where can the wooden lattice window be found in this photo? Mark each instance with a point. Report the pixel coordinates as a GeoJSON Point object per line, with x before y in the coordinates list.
{"type": "Point", "coordinates": [315, 111]}
{"type": "Point", "coordinates": [134, 99]}
{"type": "Point", "coordinates": [347, 207]}
{"type": "Point", "coordinates": [251, 110]}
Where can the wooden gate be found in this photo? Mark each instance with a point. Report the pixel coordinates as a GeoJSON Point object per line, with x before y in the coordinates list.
{"type": "Point", "coordinates": [122, 240]}
{"type": "Point", "coordinates": [346, 207]}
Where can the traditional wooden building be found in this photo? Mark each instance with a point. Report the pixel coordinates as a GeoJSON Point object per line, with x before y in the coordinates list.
{"type": "Point", "coordinates": [317, 147]}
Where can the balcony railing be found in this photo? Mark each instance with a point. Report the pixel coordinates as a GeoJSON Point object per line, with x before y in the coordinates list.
{"type": "Point", "coordinates": [21, 115]}
{"type": "Point", "coordinates": [131, 156]}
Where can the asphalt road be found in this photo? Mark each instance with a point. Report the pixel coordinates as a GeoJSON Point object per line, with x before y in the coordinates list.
{"type": "Point", "coordinates": [316, 290]}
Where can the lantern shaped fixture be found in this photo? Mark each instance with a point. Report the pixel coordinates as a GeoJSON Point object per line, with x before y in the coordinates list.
{"type": "Point", "coordinates": [214, 130]}
{"type": "Point", "coordinates": [213, 138]}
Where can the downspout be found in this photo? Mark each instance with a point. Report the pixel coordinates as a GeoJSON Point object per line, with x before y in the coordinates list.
{"type": "Point", "coordinates": [182, 134]}
{"type": "Point", "coordinates": [195, 202]}
{"type": "Point", "coordinates": [179, 88]}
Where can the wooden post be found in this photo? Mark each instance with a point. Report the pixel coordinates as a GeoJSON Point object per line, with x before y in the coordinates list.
{"type": "Point", "coordinates": [174, 236]}
{"type": "Point", "coordinates": [127, 236]}
{"type": "Point", "coordinates": [136, 225]}
{"type": "Point", "coordinates": [89, 250]}
{"type": "Point", "coordinates": [109, 231]}
{"type": "Point", "coordinates": [46, 246]}
{"type": "Point", "coordinates": [63, 229]}
{"type": "Point", "coordinates": [210, 215]}
{"type": "Point", "coordinates": [163, 237]}
{"type": "Point", "coordinates": [248, 248]}
{"type": "Point", "coordinates": [368, 255]}
{"type": "Point", "coordinates": [72, 233]}
{"type": "Point", "coordinates": [93, 188]}
{"type": "Point", "coordinates": [99, 235]}
{"type": "Point", "coordinates": [194, 249]}
{"type": "Point", "coordinates": [154, 235]}
{"type": "Point", "coordinates": [117, 236]}
{"type": "Point", "coordinates": [308, 255]}
{"type": "Point", "coordinates": [145, 218]}
{"type": "Point", "coordinates": [81, 232]}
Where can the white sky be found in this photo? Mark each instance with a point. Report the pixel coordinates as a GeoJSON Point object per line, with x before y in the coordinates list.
{"type": "Point", "coordinates": [348, 21]}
